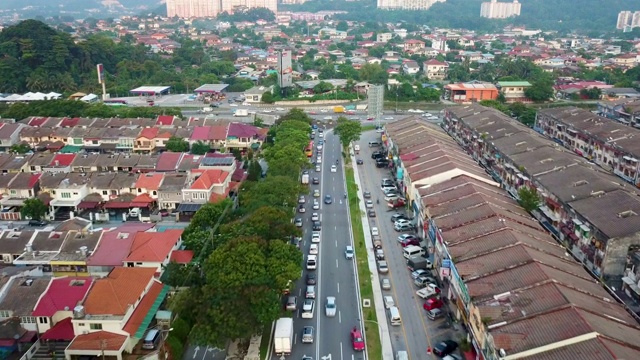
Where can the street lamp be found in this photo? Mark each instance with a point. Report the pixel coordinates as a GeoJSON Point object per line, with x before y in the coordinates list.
{"type": "Point", "coordinates": [164, 339]}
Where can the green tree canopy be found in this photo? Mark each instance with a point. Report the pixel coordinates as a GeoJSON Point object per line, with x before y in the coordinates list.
{"type": "Point", "coordinates": [348, 131]}
{"type": "Point", "coordinates": [177, 144]}
{"type": "Point", "coordinates": [33, 208]}
{"type": "Point", "coordinates": [200, 148]}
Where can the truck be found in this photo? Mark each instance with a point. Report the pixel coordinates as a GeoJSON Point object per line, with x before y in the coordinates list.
{"type": "Point", "coordinates": [418, 262]}
{"type": "Point", "coordinates": [361, 107]}
{"type": "Point", "coordinates": [305, 179]}
{"type": "Point", "coordinates": [241, 112]}
{"type": "Point", "coordinates": [338, 109]}
{"type": "Point", "coordinates": [205, 110]}
{"type": "Point", "coordinates": [428, 292]}
{"type": "Point", "coordinates": [283, 336]}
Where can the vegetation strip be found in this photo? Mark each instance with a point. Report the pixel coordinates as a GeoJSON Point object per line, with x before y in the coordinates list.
{"type": "Point", "coordinates": [372, 334]}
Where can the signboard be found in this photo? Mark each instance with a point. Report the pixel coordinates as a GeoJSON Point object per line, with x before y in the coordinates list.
{"type": "Point", "coordinates": [459, 286]}
{"type": "Point", "coordinates": [100, 69]}
{"type": "Point", "coordinates": [285, 70]}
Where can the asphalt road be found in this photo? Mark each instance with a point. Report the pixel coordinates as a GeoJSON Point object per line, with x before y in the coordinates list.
{"type": "Point", "coordinates": [417, 332]}
{"type": "Point", "coordinates": [335, 274]}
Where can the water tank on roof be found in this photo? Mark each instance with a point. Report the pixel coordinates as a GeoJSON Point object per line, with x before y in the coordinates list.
{"type": "Point", "coordinates": [78, 312]}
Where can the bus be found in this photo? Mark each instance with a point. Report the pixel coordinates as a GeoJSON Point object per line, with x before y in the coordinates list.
{"type": "Point", "coordinates": [115, 102]}
{"type": "Point", "coordinates": [309, 149]}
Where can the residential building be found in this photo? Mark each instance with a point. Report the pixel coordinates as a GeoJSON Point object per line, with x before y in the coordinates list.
{"type": "Point", "coordinates": [71, 260]}
{"type": "Point", "coordinates": [9, 135]}
{"type": "Point", "coordinates": [500, 10]}
{"type": "Point", "coordinates": [152, 249]}
{"type": "Point", "coordinates": [118, 305]}
{"type": "Point", "coordinates": [410, 67]}
{"type": "Point", "coordinates": [149, 183]}
{"type": "Point", "coordinates": [406, 4]}
{"type": "Point", "coordinates": [628, 20]}
{"type": "Point", "coordinates": [206, 186]}
{"type": "Point", "coordinates": [114, 247]}
{"type": "Point", "coordinates": [435, 70]}
{"type": "Point", "coordinates": [211, 8]}
{"type": "Point", "coordinates": [70, 192]}
{"type": "Point", "coordinates": [19, 296]}
{"type": "Point", "coordinates": [473, 91]}
{"type": "Point", "coordinates": [514, 91]}
{"type": "Point", "coordinates": [58, 300]}
{"type": "Point", "coordinates": [170, 193]}
{"type": "Point", "coordinates": [244, 136]}
{"type": "Point", "coordinates": [383, 37]}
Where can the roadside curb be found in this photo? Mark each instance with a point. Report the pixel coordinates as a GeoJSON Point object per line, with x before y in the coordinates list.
{"type": "Point", "coordinates": [383, 327]}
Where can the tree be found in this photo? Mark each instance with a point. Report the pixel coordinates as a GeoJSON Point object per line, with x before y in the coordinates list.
{"type": "Point", "coordinates": [267, 222]}
{"type": "Point", "coordinates": [177, 144]}
{"type": "Point", "coordinates": [207, 216]}
{"type": "Point", "coordinates": [275, 191]}
{"type": "Point", "coordinates": [200, 148]}
{"type": "Point", "coordinates": [529, 198]}
{"type": "Point", "coordinates": [255, 171]}
{"type": "Point", "coordinates": [541, 89]}
{"type": "Point", "coordinates": [21, 148]}
{"type": "Point", "coordinates": [322, 87]}
{"type": "Point", "coordinates": [267, 98]}
{"type": "Point", "coordinates": [342, 26]}
{"type": "Point", "coordinates": [244, 279]}
{"type": "Point", "coordinates": [348, 131]}
{"type": "Point", "coordinates": [373, 73]}
{"type": "Point", "coordinates": [34, 209]}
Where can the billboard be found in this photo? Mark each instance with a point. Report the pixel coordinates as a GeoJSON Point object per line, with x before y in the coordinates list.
{"type": "Point", "coordinates": [100, 69]}
{"type": "Point", "coordinates": [285, 70]}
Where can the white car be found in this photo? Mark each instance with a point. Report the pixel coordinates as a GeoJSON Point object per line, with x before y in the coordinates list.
{"type": "Point", "coordinates": [316, 193]}
{"type": "Point", "coordinates": [334, 168]}
{"type": "Point", "coordinates": [316, 205]}
{"type": "Point", "coordinates": [324, 110]}
{"type": "Point", "coordinates": [315, 238]}
{"type": "Point", "coordinates": [313, 249]}
{"type": "Point", "coordinates": [327, 118]}
{"type": "Point", "coordinates": [348, 252]}
{"type": "Point", "coordinates": [388, 302]}
{"type": "Point", "coordinates": [321, 135]}
{"type": "Point", "coordinates": [318, 169]}
{"type": "Point", "coordinates": [374, 231]}
{"type": "Point", "coordinates": [402, 222]}
{"type": "Point", "coordinates": [389, 118]}
{"type": "Point", "coordinates": [279, 109]}
{"type": "Point", "coordinates": [315, 217]}
{"type": "Point", "coordinates": [267, 111]}
{"type": "Point", "coordinates": [311, 292]}
{"type": "Point", "coordinates": [307, 309]}
{"type": "Point", "coordinates": [233, 105]}
{"type": "Point", "coordinates": [318, 160]}
{"type": "Point", "coordinates": [368, 204]}
{"type": "Point", "coordinates": [386, 284]}
{"type": "Point", "coordinates": [319, 147]}
{"type": "Point", "coordinates": [330, 308]}
{"type": "Point", "coordinates": [312, 262]}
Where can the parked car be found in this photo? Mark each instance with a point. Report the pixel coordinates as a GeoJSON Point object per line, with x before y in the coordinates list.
{"type": "Point", "coordinates": [374, 231]}
{"type": "Point", "coordinates": [34, 222]}
{"type": "Point", "coordinates": [403, 237]}
{"type": "Point", "coordinates": [307, 335]}
{"type": "Point", "coordinates": [386, 284]}
{"type": "Point", "coordinates": [313, 249]}
{"type": "Point", "coordinates": [368, 204]}
{"type": "Point", "coordinates": [371, 213]}
{"type": "Point", "coordinates": [388, 302]}
{"type": "Point", "coordinates": [410, 241]}
{"type": "Point", "coordinates": [315, 181]}
{"type": "Point", "coordinates": [445, 348]}
{"type": "Point", "coordinates": [366, 195]}
{"type": "Point", "coordinates": [301, 199]}
{"type": "Point", "coordinates": [359, 162]}
{"type": "Point", "coordinates": [301, 208]}
{"type": "Point", "coordinates": [311, 292]}
{"type": "Point", "coordinates": [383, 268]}
{"type": "Point", "coordinates": [292, 303]}
{"type": "Point", "coordinates": [298, 222]}
{"type": "Point", "coordinates": [311, 279]}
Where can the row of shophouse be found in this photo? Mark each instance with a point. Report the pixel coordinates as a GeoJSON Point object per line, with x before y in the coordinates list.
{"type": "Point", "coordinates": [84, 292]}
{"type": "Point", "coordinates": [516, 288]}
{"type": "Point", "coordinates": [139, 135]}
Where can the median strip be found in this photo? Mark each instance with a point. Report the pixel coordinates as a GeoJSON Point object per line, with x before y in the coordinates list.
{"type": "Point", "coordinates": [374, 347]}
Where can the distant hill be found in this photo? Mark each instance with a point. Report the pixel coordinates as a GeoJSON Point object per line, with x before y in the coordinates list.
{"type": "Point", "coordinates": [53, 7]}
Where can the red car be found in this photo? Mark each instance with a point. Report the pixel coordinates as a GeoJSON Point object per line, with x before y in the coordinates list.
{"type": "Point", "coordinates": [410, 241]}
{"type": "Point", "coordinates": [356, 339]}
{"type": "Point", "coordinates": [433, 303]}
{"type": "Point", "coordinates": [370, 119]}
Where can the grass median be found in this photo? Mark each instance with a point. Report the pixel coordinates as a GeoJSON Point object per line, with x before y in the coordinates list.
{"type": "Point", "coordinates": [374, 347]}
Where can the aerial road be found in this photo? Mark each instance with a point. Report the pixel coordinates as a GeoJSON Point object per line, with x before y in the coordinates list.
{"type": "Point", "coordinates": [335, 274]}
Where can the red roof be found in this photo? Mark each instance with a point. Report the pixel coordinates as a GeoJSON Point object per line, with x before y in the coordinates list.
{"type": "Point", "coordinates": [115, 245]}
{"type": "Point", "coordinates": [63, 159]}
{"type": "Point", "coordinates": [143, 308]}
{"type": "Point", "coordinates": [142, 200]}
{"type": "Point", "coordinates": [69, 122]}
{"type": "Point", "coordinates": [165, 120]}
{"type": "Point", "coordinates": [37, 121]}
{"type": "Point", "coordinates": [62, 330]}
{"type": "Point", "coordinates": [208, 178]}
{"type": "Point", "coordinates": [168, 161]}
{"type": "Point", "coordinates": [62, 293]}
{"type": "Point", "coordinates": [153, 246]}
{"type": "Point", "coordinates": [149, 181]}
{"type": "Point", "coordinates": [33, 180]}
{"type": "Point", "coordinates": [149, 133]}
{"type": "Point", "coordinates": [201, 133]}
{"type": "Point", "coordinates": [98, 341]}
{"type": "Point", "coordinates": [218, 132]}
{"type": "Point", "coordinates": [182, 256]}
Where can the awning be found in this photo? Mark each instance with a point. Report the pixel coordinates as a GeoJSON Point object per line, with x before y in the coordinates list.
{"type": "Point", "coordinates": [152, 312]}
{"type": "Point", "coordinates": [12, 202]}
{"type": "Point", "coordinates": [117, 205]}
{"type": "Point", "coordinates": [70, 149]}
{"type": "Point", "coordinates": [63, 330]}
{"type": "Point", "coordinates": [88, 204]}
{"type": "Point", "coordinates": [189, 207]}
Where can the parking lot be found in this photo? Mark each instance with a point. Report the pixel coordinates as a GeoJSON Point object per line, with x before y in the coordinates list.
{"type": "Point", "coordinates": [417, 332]}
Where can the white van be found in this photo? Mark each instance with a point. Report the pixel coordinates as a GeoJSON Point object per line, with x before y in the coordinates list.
{"type": "Point", "coordinates": [412, 250]}
{"type": "Point", "coordinates": [402, 355]}
{"type": "Point", "coordinates": [394, 316]}
{"type": "Point", "coordinates": [374, 143]}
{"type": "Point", "coordinates": [151, 339]}
{"type": "Point", "coordinates": [312, 262]}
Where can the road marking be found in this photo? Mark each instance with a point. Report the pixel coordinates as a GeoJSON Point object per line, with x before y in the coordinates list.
{"type": "Point", "coordinates": [195, 351]}
{"type": "Point", "coordinates": [337, 263]}
{"type": "Point", "coordinates": [295, 338]}
{"type": "Point", "coordinates": [336, 242]}
{"type": "Point", "coordinates": [341, 350]}
{"type": "Point", "coordinates": [327, 357]}
{"type": "Point", "coordinates": [339, 317]}
{"type": "Point", "coordinates": [338, 287]}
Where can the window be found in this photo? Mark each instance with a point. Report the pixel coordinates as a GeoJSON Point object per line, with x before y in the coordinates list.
{"type": "Point", "coordinates": [65, 195]}
{"type": "Point", "coordinates": [33, 168]}
{"type": "Point", "coordinates": [155, 193]}
{"type": "Point", "coordinates": [28, 319]}
{"type": "Point", "coordinates": [13, 192]}
{"type": "Point", "coordinates": [43, 320]}
{"type": "Point", "coordinates": [77, 141]}
{"type": "Point", "coordinates": [5, 314]}
{"type": "Point", "coordinates": [105, 192]}
{"type": "Point", "coordinates": [94, 142]}
{"type": "Point", "coordinates": [95, 326]}
{"type": "Point", "coordinates": [81, 324]}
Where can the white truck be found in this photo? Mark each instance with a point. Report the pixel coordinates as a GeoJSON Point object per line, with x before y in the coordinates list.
{"type": "Point", "coordinates": [427, 292]}
{"type": "Point", "coordinates": [283, 336]}
{"type": "Point", "coordinates": [305, 179]}
{"type": "Point", "coordinates": [241, 112]}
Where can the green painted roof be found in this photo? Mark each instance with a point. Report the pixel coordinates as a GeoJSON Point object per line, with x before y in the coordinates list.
{"type": "Point", "coordinates": [152, 312]}
{"type": "Point", "coordinates": [514, 83]}
{"type": "Point", "coordinates": [70, 149]}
